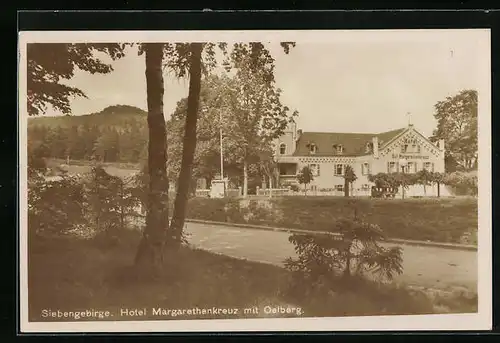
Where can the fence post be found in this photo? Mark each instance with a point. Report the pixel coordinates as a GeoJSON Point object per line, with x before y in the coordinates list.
{"type": "Point", "coordinates": [257, 190]}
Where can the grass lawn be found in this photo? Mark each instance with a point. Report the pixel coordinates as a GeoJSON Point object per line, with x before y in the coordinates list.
{"type": "Point", "coordinates": [433, 219]}
{"type": "Point", "coordinates": [76, 275]}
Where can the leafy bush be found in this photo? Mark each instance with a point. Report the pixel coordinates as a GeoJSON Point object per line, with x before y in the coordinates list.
{"type": "Point", "coordinates": [56, 206]}
{"type": "Point", "coordinates": [326, 261]}
{"type": "Point", "coordinates": [96, 203]}
{"type": "Point", "coordinates": [462, 183]}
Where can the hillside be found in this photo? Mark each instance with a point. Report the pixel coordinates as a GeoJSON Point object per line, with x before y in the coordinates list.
{"type": "Point", "coordinates": [113, 115]}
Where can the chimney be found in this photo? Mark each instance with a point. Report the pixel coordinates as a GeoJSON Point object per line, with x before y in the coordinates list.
{"type": "Point", "coordinates": [299, 133]}
{"type": "Point", "coordinates": [441, 146]}
{"type": "Point", "coordinates": [375, 146]}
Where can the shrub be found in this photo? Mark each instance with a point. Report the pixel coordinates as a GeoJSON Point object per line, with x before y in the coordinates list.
{"type": "Point", "coordinates": [462, 183]}
{"type": "Point", "coordinates": [326, 261]}
{"type": "Point", "coordinates": [55, 207]}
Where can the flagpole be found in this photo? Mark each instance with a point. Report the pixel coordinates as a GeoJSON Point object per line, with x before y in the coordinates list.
{"type": "Point", "coordinates": [221, 148]}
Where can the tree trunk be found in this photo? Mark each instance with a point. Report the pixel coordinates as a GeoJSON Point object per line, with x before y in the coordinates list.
{"type": "Point", "coordinates": [346, 188]}
{"type": "Point", "coordinates": [439, 189]}
{"type": "Point", "coordinates": [270, 186]}
{"type": "Point", "coordinates": [122, 200]}
{"type": "Point", "coordinates": [189, 146]}
{"type": "Point", "coordinates": [149, 257]}
{"type": "Point", "coordinates": [425, 190]}
{"type": "Point", "coordinates": [347, 270]}
{"type": "Point", "coordinates": [245, 178]}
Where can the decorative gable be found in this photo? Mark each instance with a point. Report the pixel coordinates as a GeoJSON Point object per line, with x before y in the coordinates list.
{"type": "Point", "coordinates": [408, 139]}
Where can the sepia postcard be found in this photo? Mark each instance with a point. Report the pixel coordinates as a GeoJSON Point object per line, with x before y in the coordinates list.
{"type": "Point", "coordinates": [216, 181]}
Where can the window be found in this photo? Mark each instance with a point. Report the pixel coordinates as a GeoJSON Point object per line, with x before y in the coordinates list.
{"type": "Point", "coordinates": [339, 188]}
{"type": "Point", "coordinates": [338, 169]}
{"type": "Point", "coordinates": [392, 167]}
{"type": "Point", "coordinates": [411, 167]}
{"type": "Point", "coordinates": [404, 148]}
{"type": "Point", "coordinates": [339, 149]}
{"type": "Point", "coordinates": [312, 148]}
{"type": "Point", "coordinates": [282, 148]}
{"type": "Point", "coordinates": [365, 187]}
{"type": "Point", "coordinates": [314, 169]}
{"type": "Point", "coordinates": [365, 168]}
{"type": "Point", "coordinates": [429, 166]}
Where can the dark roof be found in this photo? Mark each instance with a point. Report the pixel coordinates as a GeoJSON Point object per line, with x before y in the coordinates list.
{"type": "Point", "coordinates": [354, 144]}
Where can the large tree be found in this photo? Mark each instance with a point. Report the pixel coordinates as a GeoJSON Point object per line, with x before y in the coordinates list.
{"type": "Point", "coordinates": [151, 248]}
{"type": "Point", "coordinates": [50, 64]}
{"type": "Point", "coordinates": [252, 113]}
{"type": "Point", "coordinates": [457, 125]}
{"type": "Point", "coordinates": [255, 63]}
{"type": "Point", "coordinates": [189, 145]}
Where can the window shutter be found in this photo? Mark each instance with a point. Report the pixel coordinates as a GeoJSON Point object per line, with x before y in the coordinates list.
{"type": "Point", "coordinates": [432, 166]}
{"type": "Point", "coordinates": [397, 167]}
{"type": "Point", "coordinates": [317, 168]}
{"type": "Point", "coordinates": [388, 167]}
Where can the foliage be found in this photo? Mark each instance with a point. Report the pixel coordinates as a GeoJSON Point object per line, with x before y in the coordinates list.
{"type": "Point", "coordinates": [305, 177]}
{"type": "Point", "coordinates": [457, 125]}
{"type": "Point", "coordinates": [55, 207]}
{"type": "Point", "coordinates": [86, 204]}
{"type": "Point", "coordinates": [110, 200]}
{"type": "Point", "coordinates": [116, 134]}
{"type": "Point", "coordinates": [463, 183]}
{"type": "Point", "coordinates": [250, 115]}
{"type": "Point", "coordinates": [49, 64]}
{"type": "Point", "coordinates": [349, 177]}
{"type": "Point", "coordinates": [425, 178]}
{"type": "Point", "coordinates": [392, 180]}
{"type": "Point", "coordinates": [324, 259]}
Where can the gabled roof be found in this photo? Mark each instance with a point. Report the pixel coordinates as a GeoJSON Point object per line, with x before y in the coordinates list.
{"type": "Point", "coordinates": [354, 144]}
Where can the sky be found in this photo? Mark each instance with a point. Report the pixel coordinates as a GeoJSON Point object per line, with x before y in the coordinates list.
{"type": "Point", "coordinates": [361, 84]}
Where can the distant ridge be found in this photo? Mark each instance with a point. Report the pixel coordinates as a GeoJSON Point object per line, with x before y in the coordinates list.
{"type": "Point", "coordinates": [111, 115]}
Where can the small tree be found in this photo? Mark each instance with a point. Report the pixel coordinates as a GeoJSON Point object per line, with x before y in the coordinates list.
{"type": "Point", "coordinates": [103, 198]}
{"type": "Point", "coordinates": [305, 177]}
{"type": "Point", "coordinates": [392, 181]}
{"type": "Point", "coordinates": [349, 178]}
{"type": "Point", "coordinates": [438, 179]}
{"type": "Point", "coordinates": [424, 178]}
{"type": "Point", "coordinates": [352, 248]}
{"type": "Point", "coordinates": [55, 207]}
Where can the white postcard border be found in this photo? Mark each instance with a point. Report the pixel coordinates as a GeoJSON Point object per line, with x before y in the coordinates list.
{"type": "Point", "coordinates": [478, 321]}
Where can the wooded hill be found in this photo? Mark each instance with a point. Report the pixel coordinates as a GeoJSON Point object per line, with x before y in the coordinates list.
{"type": "Point", "coordinates": [117, 115]}
{"type": "Point", "coordinates": [116, 134]}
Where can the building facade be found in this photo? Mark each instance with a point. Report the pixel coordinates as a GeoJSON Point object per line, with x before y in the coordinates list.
{"type": "Point", "coordinates": [328, 153]}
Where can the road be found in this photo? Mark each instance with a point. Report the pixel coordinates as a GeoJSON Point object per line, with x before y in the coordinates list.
{"type": "Point", "coordinates": [423, 266]}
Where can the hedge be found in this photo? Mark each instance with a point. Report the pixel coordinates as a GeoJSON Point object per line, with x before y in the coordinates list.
{"type": "Point", "coordinates": [437, 219]}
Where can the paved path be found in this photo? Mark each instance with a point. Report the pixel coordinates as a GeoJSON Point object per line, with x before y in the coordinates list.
{"type": "Point", "coordinates": [423, 266]}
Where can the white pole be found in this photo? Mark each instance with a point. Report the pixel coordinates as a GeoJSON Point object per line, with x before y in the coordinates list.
{"type": "Point", "coordinates": [221, 151]}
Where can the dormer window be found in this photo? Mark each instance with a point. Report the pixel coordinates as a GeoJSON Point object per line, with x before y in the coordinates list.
{"type": "Point", "coordinates": [312, 148]}
{"type": "Point", "coordinates": [368, 147]}
{"type": "Point", "coordinates": [338, 149]}
{"type": "Point", "coordinates": [282, 148]}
